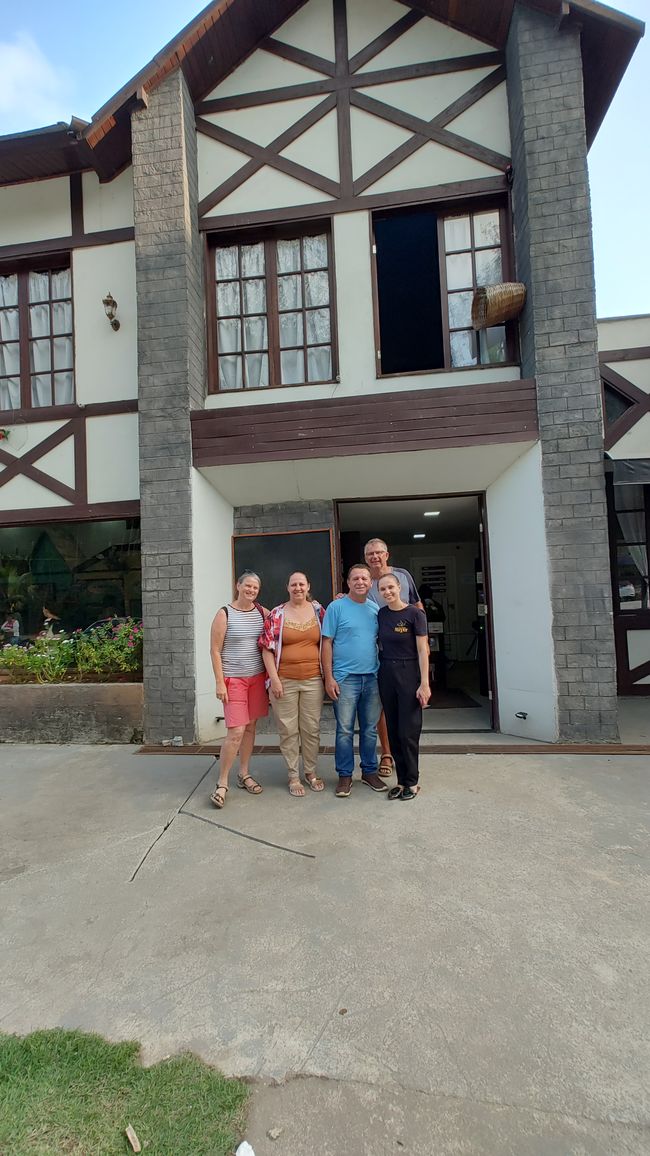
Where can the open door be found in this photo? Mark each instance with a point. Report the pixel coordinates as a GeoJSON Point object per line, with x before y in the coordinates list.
{"type": "Point", "coordinates": [487, 665]}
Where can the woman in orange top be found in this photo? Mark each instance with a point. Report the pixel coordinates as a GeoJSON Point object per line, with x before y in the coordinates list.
{"type": "Point", "coordinates": [290, 645]}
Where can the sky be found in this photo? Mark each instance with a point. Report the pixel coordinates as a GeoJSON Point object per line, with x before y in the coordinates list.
{"type": "Point", "coordinates": [66, 59]}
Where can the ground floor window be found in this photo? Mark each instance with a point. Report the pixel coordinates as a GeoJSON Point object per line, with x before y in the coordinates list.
{"type": "Point", "coordinates": [75, 585]}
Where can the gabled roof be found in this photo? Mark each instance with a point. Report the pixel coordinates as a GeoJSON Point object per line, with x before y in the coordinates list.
{"type": "Point", "coordinates": [227, 31]}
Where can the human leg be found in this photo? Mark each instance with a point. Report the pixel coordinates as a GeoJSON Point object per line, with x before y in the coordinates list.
{"type": "Point", "coordinates": [388, 690]}
{"type": "Point", "coordinates": [386, 761]}
{"type": "Point", "coordinates": [309, 712]}
{"type": "Point", "coordinates": [286, 710]}
{"type": "Point", "coordinates": [229, 750]}
{"type": "Point", "coordinates": [345, 712]}
{"type": "Point", "coordinates": [368, 711]}
{"type": "Point", "coordinates": [409, 724]}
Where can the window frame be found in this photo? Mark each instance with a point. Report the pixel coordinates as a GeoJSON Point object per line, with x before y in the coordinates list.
{"type": "Point", "coordinates": [289, 231]}
{"type": "Point", "coordinates": [50, 263]}
{"type": "Point", "coordinates": [627, 612]}
{"type": "Point", "coordinates": [445, 209]}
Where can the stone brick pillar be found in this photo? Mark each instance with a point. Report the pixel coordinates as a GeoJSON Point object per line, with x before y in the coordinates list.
{"type": "Point", "coordinates": [171, 383]}
{"type": "Point", "coordinates": [553, 247]}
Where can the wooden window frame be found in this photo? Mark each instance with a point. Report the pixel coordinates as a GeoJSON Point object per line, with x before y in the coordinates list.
{"type": "Point", "coordinates": [446, 209]}
{"type": "Point", "coordinates": [22, 269]}
{"type": "Point", "coordinates": [269, 236]}
{"type": "Point", "coordinates": [624, 611]}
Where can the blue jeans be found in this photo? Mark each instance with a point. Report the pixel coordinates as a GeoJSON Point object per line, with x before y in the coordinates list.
{"type": "Point", "coordinates": [359, 698]}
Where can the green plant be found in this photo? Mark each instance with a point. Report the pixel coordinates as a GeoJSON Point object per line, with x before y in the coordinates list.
{"type": "Point", "coordinates": [112, 649]}
{"type": "Point", "coordinates": [109, 649]}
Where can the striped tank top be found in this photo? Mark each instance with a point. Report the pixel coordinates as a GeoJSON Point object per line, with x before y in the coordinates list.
{"type": "Point", "coordinates": [241, 657]}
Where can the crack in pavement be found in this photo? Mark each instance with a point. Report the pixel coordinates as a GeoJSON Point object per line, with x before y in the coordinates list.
{"type": "Point", "coordinates": [171, 820]}
{"type": "Point", "coordinates": [611, 1119]}
{"type": "Point", "coordinates": [212, 823]}
{"type": "Point", "coordinates": [243, 835]}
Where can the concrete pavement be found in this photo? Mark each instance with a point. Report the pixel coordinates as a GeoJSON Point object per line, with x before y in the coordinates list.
{"type": "Point", "coordinates": [463, 974]}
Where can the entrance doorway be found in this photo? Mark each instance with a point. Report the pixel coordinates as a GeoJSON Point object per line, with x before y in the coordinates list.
{"type": "Point", "coordinates": [440, 541]}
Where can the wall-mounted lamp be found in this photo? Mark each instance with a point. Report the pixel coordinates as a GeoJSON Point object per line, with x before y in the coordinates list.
{"type": "Point", "coordinates": [110, 309]}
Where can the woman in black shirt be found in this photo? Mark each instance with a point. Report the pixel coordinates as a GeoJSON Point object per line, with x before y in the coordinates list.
{"type": "Point", "coordinates": [403, 681]}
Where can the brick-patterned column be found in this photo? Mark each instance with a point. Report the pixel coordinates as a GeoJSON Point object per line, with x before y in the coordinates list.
{"type": "Point", "coordinates": [171, 383]}
{"type": "Point", "coordinates": [553, 246]}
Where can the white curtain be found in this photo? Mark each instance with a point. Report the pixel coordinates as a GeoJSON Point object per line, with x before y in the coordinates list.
{"type": "Point", "coordinates": [632, 523]}
{"type": "Point", "coordinates": [9, 353]}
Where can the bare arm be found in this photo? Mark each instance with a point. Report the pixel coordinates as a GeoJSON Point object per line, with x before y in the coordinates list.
{"type": "Point", "coordinates": [326, 655]}
{"type": "Point", "coordinates": [217, 635]}
{"type": "Point", "coordinates": [423, 693]}
{"type": "Point", "coordinates": [268, 658]}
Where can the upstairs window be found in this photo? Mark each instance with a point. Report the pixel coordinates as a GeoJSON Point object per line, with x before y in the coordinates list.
{"type": "Point", "coordinates": [428, 265]}
{"type": "Point", "coordinates": [36, 339]}
{"type": "Point", "coordinates": [271, 311]}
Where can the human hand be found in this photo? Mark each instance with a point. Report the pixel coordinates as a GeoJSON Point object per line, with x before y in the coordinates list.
{"type": "Point", "coordinates": [333, 689]}
{"type": "Point", "coordinates": [222, 693]}
{"type": "Point", "coordinates": [423, 694]}
{"type": "Point", "coordinates": [276, 688]}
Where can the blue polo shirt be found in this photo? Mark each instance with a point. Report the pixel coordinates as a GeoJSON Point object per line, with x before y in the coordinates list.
{"type": "Point", "coordinates": [352, 626]}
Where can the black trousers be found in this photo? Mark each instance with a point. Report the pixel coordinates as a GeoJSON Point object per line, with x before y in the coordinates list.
{"type": "Point", "coordinates": [398, 682]}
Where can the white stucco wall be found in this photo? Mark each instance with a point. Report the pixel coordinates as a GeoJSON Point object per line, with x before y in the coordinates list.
{"type": "Point", "coordinates": [373, 138]}
{"type": "Point", "coordinates": [23, 493]}
{"type": "Point", "coordinates": [212, 527]}
{"type": "Point", "coordinates": [624, 332]}
{"type": "Point", "coordinates": [35, 211]}
{"type": "Point", "coordinates": [106, 361]}
{"type": "Point", "coordinates": [635, 443]}
{"type": "Point", "coordinates": [454, 471]}
{"type": "Point", "coordinates": [525, 670]}
{"type": "Point", "coordinates": [113, 469]}
{"type": "Point", "coordinates": [108, 206]}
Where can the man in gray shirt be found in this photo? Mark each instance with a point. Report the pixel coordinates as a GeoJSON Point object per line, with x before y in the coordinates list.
{"type": "Point", "coordinates": [376, 555]}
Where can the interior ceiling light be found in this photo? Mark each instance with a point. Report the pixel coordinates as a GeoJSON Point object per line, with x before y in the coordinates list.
{"type": "Point", "coordinates": [419, 535]}
{"type": "Point", "coordinates": [432, 513]}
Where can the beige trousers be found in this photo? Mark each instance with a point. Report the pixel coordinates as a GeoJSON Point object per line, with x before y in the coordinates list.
{"type": "Point", "coordinates": [298, 718]}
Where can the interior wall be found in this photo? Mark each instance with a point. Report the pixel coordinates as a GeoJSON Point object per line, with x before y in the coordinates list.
{"type": "Point", "coordinates": [464, 594]}
{"type": "Point", "coordinates": [521, 601]}
{"type": "Point", "coordinates": [212, 527]}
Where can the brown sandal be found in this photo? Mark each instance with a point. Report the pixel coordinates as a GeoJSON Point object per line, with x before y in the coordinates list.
{"type": "Point", "coordinates": [296, 789]}
{"type": "Point", "coordinates": [314, 783]}
{"type": "Point", "coordinates": [386, 766]}
{"type": "Point", "coordinates": [219, 800]}
{"type": "Point", "coordinates": [248, 783]}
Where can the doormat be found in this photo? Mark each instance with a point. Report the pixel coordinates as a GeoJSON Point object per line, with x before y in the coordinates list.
{"type": "Point", "coordinates": [451, 700]}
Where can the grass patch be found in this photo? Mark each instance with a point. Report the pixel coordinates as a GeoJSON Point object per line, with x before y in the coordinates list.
{"type": "Point", "coordinates": [68, 1092]}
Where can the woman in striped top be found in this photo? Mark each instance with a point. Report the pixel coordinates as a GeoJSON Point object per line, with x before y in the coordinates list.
{"type": "Point", "coordinates": [239, 676]}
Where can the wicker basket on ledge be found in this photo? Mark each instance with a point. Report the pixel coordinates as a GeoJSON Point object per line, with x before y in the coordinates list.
{"type": "Point", "coordinates": [494, 304]}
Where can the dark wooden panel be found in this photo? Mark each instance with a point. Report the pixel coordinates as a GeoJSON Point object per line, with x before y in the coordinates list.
{"type": "Point", "coordinates": [387, 423]}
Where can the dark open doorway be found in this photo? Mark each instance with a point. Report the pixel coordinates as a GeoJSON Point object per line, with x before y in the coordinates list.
{"type": "Point", "coordinates": [440, 541]}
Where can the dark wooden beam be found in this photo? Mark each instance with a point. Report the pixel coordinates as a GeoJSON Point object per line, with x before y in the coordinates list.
{"type": "Point", "coordinates": [273, 149]}
{"type": "Point", "coordinates": [267, 156]}
{"type": "Point", "coordinates": [385, 39]}
{"type": "Point", "coordinates": [298, 56]}
{"type": "Point", "coordinates": [480, 188]}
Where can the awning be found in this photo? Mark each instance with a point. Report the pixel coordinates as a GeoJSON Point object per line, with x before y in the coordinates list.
{"type": "Point", "coordinates": [631, 471]}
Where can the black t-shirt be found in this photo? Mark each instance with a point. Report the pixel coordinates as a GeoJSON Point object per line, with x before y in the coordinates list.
{"type": "Point", "coordinates": [398, 630]}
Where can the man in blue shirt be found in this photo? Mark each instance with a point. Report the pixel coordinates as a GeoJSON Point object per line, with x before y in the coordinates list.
{"type": "Point", "coordinates": [350, 663]}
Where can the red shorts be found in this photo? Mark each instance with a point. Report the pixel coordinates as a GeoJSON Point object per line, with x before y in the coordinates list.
{"type": "Point", "coordinates": [247, 700]}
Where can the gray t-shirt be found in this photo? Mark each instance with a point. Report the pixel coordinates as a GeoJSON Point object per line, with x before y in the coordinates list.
{"type": "Point", "coordinates": [408, 589]}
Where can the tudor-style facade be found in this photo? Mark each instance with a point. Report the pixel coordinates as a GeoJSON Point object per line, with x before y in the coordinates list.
{"type": "Point", "coordinates": [293, 206]}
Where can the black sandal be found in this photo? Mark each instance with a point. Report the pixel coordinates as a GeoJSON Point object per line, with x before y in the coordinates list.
{"type": "Point", "coordinates": [410, 792]}
{"type": "Point", "coordinates": [395, 793]}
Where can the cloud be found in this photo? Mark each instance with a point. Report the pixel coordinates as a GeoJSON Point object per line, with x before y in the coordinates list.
{"type": "Point", "coordinates": [33, 92]}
